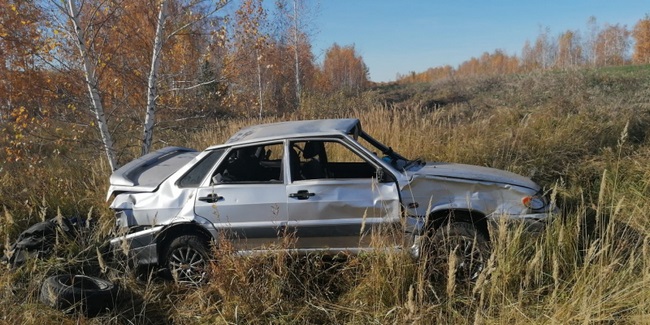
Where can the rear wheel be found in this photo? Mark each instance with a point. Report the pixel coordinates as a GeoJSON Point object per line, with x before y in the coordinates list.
{"type": "Point", "coordinates": [459, 250]}
{"type": "Point", "coordinates": [187, 259]}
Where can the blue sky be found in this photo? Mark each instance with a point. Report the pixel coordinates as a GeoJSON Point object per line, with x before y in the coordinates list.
{"type": "Point", "coordinates": [402, 36]}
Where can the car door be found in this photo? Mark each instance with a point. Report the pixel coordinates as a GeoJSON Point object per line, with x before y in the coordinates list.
{"type": "Point", "coordinates": [245, 196]}
{"type": "Point", "coordinates": [335, 198]}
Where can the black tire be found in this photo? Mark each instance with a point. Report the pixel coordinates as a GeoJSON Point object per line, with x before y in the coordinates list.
{"type": "Point", "coordinates": [78, 293]}
{"type": "Point", "coordinates": [468, 245]}
{"type": "Point", "coordinates": [187, 259]}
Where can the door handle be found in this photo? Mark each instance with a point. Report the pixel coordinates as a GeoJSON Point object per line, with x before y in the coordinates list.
{"type": "Point", "coordinates": [211, 198]}
{"type": "Point", "coordinates": [301, 195]}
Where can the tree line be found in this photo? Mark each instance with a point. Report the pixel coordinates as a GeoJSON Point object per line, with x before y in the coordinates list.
{"type": "Point", "coordinates": [111, 67]}
{"type": "Point", "coordinates": [601, 45]}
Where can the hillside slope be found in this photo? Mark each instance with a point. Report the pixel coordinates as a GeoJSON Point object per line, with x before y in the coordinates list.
{"type": "Point", "coordinates": [582, 134]}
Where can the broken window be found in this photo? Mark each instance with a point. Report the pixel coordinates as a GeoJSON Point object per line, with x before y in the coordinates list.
{"type": "Point", "coordinates": [251, 164]}
{"type": "Point", "coordinates": [315, 159]}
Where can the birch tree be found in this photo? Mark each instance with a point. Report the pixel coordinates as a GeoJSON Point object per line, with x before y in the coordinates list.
{"type": "Point", "coordinates": [569, 50]}
{"type": "Point", "coordinates": [111, 39]}
{"type": "Point", "coordinates": [294, 25]}
{"type": "Point", "coordinates": [295, 19]}
{"type": "Point", "coordinates": [250, 53]}
{"type": "Point", "coordinates": [152, 87]}
{"type": "Point", "coordinates": [612, 45]}
{"type": "Point", "coordinates": [72, 11]}
{"type": "Point", "coordinates": [204, 10]}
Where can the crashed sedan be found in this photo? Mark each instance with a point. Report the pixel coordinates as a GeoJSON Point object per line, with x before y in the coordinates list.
{"type": "Point", "coordinates": [326, 183]}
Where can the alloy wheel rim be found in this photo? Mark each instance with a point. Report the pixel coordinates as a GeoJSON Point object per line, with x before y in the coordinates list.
{"type": "Point", "coordinates": [469, 259]}
{"type": "Point", "coordinates": [187, 265]}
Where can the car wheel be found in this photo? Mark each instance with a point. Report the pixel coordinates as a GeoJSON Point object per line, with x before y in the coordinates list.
{"type": "Point", "coordinates": [78, 293]}
{"type": "Point", "coordinates": [460, 246]}
{"type": "Point", "coordinates": [187, 260]}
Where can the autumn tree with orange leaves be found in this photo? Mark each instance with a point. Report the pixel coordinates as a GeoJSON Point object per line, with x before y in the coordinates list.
{"type": "Point", "coordinates": [344, 70]}
{"type": "Point", "coordinates": [249, 63]}
{"type": "Point", "coordinates": [495, 63]}
{"type": "Point", "coordinates": [134, 56]}
{"type": "Point", "coordinates": [24, 84]}
{"type": "Point", "coordinates": [569, 50]}
{"type": "Point", "coordinates": [641, 34]}
{"type": "Point", "coordinates": [611, 45]}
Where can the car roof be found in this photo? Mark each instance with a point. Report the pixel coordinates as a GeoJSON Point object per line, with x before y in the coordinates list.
{"type": "Point", "coordinates": [283, 130]}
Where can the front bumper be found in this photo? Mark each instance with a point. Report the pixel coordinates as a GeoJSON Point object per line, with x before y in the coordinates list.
{"type": "Point", "coordinates": [534, 223]}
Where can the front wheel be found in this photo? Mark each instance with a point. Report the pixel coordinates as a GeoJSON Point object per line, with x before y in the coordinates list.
{"type": "Point", "coordinates": [459, 250]}
{"type": "Point", "coordinates": [187, 259]}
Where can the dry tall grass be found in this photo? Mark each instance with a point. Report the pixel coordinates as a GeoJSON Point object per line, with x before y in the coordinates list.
{"type": "Point", "coordinates": [582, 133]}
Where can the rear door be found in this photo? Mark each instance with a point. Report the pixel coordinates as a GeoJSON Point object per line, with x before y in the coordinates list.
{"type": "Point", "coordinates": [245, 197]}
{"type": "Point", "coordinates": [335, 198]}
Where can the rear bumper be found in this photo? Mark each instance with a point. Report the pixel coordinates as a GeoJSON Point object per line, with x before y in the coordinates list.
{"type": "Point", "coordinates": [140, 247]}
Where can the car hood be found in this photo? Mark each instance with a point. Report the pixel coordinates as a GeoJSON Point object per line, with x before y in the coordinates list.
{"type": "Point", "coordinates": [472, 173]}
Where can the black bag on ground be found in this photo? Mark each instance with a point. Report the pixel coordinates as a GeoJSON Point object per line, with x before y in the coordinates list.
{"type": "Point", "coordinates": [38, 240]}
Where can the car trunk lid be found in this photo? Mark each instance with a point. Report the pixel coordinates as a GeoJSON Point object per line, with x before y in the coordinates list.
{"type": "Point", "coordinates": [146, 173]}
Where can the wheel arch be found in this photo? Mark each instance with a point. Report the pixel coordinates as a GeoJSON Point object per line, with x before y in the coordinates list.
{"type": "Point", "coordinates": [438, 218]}
{"type": "Point", "coordinates": [171, 232]}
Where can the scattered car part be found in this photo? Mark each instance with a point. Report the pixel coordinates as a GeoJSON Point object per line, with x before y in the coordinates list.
{"type": "Point", "coordinates": [78, 293]}
{"type": "Point", "coordinates": [39, 240]}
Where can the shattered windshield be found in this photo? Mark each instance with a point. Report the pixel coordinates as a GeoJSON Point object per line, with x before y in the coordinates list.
{"type": "Point", "coordinates": [388, 155]}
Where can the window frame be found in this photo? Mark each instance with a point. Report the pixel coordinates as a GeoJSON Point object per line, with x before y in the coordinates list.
{"type": "Point", "coordinates": [219, 156]}
{"type": "Point", "coordinates": [347, 143]}
{"type": "Point", "coordinates": [231, 150]}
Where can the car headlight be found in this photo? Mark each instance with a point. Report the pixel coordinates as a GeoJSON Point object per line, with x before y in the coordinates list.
{"type": "Point", "coordinates": [534, 202]}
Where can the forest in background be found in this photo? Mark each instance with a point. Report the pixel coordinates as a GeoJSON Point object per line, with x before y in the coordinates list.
{"type": "Point", "coordinates": [104, 75]}
{"type": "Point", "coordinates": [600, 45]}
{"type": "Point", "coordinates": [96, 70]}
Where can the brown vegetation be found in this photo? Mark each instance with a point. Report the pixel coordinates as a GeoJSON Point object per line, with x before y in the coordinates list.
{"type": "Point", "coordinates": [582, 133]}
{"type": "Point", "coordinates": [555, 113]}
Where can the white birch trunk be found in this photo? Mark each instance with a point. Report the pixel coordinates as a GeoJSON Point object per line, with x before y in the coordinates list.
{"type": "Point", "coordinates": [259, 81]}
{"type": "Point", "coordinates": [91, 81]}
{"type": "Point", "coordinates": [152, 87]}
{"type": "Point", "coordinates": [295, 51]}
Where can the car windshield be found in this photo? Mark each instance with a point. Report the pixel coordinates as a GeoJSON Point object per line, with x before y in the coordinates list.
{"type": "Point", "coordinates": [387, 153]}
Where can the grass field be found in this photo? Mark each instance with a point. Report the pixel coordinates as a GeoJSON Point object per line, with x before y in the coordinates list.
{"type": "Point", "coordinates": [583, 134]}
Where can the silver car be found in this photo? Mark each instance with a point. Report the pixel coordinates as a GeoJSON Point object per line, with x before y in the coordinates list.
{"type": "Point", "coordinates": [325, 183]}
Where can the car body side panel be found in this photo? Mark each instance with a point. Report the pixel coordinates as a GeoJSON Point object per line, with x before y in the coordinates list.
{"type": "Point", "coordinates": [341, 211]}
{"type": "Point", "coordinates": [425, 195]}
{"type": "Point", "coordinates": [156, 208]}
{"type": "Point", "coordinates": [251, 214]}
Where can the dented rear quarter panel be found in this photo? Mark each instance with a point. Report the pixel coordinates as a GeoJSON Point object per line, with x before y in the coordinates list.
{"type": "Point", "coordinates": [159, 205]}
